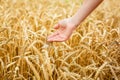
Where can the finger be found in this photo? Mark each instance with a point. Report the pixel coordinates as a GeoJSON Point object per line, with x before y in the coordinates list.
{"type": "Point", "coordinates": [56, 26]}
{"type": "Point", "coordinates": [54, 34]}
{"type": "Point", "coordinates": [54, 39]}
{"type": "Point", "coordinates": [57, 38]}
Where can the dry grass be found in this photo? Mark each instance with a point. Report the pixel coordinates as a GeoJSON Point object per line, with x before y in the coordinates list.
{"type": "Point", "coordinates": [92, 52]}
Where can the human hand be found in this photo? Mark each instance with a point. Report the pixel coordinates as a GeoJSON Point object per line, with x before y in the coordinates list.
{"type": "Point", "coordinates": [64, 30]}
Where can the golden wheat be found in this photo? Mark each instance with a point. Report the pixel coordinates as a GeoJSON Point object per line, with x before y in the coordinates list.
{"type": "Point", "coordinates": [91, 53]}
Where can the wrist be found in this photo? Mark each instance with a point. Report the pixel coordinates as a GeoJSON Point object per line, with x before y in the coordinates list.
{"type": "Point", "coordinates": [75, 21]}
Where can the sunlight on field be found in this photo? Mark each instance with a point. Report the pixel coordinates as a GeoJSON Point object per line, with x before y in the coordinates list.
{"type": "Point", "coordinates": [91, 53]}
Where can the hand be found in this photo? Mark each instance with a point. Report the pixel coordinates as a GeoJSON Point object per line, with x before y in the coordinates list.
{"type": "Point", "coordinates": [64, 30]}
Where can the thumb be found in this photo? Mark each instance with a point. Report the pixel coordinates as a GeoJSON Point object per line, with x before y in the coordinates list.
{"type": "Point", "coordinates": [56, 26]}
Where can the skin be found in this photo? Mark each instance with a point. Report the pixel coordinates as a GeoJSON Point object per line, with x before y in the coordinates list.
{"type": "Point", "coordinates": [65, 28]}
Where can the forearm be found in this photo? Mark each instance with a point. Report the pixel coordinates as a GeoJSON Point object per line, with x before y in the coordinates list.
{"type": "Point", "coordinates": [87, 7]}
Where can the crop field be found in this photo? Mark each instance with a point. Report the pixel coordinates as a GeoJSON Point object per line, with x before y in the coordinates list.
{"type": "Point", "coordinates": [91, 53]}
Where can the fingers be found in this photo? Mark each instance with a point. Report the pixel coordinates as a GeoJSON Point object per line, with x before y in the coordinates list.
{"type": "Point", "coordinates": [54, 34]}
{"type": "Point", "coordinates": [57, 35]}
{"type": "Point", "coordinates": [51, 38]}
{"type": "Point", "coordinates": [57, 38]}
{"type": "Point", "coordinates": [54, 39]}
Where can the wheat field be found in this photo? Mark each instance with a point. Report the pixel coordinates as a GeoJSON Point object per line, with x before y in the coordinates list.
{"type": "Point", "coordinates": [91, 53]}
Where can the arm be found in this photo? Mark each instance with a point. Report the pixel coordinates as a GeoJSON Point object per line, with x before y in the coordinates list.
{"type": "Point", "coordinates": [87, 7]}
{"type": "Point", "coordinates": [67, 26]}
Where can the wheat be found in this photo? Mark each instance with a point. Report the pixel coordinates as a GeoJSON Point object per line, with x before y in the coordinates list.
{"type": "Point", "coordinates": [91, 53]}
